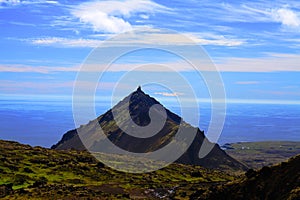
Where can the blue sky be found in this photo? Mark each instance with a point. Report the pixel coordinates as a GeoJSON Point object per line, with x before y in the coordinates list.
{"type": "Point", "coordinates": [254, 44]}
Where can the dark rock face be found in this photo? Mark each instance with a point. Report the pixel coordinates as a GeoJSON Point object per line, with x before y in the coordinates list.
{"type": "Point", "coordinates": [139, 105]}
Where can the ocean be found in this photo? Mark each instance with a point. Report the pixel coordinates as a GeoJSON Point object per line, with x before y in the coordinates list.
{"type": "Point", "coordinates": [42, 123]}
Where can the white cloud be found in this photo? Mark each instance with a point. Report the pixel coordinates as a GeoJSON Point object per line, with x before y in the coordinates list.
{"type": "Point", "coordinates": [8, 85]}
{"type": "Point", "coordinates": [103, 22]}
{"type": "Point", "coordinates": [51, 2]}
{"type": "Point", "coordinates": [35, 69]}
{"type": "Point", "coordinates": [286, 17]}
{"type": "Point", "coordinates": [112, 16]}
{"type": "Point", "coordinates": [20, 2]}
{"type": "Point", "coordinates": [165, 37]}
{"type": "Point", "coordinates": [142, 36]}
{"type": "Point", "coordinates": [143, 16]}
{"type": "Point", "coordinates": [213, 39]}
{"type": "Point", "coordinates": [66, 42]}
{"type": "Point", "coordinates": [167, 94]}
{"type": "Point", "coordinates": [269, 63]}
{"type": "Point", "coordinates": [256, 11]}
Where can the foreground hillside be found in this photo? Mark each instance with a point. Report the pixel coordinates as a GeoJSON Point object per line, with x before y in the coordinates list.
{"type": "Point", "coordinates": [281, 182]}
{"type": "Point", "coordinates": [37, 173]}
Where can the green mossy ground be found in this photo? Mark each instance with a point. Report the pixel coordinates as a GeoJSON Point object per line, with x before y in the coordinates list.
{"type": "Point", "coordinates": [39, 173]}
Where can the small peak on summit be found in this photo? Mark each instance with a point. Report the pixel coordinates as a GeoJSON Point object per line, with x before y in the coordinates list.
{"type": "Point", "coordinates": [139, 89]}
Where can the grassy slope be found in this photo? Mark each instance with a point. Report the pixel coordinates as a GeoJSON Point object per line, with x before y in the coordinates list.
{"type": "Point", "coordinates": [258, 154]}
{"type": "Point", "coordinates": [279, 182]}
{"type": "Point", "coordinates": [39, 173]}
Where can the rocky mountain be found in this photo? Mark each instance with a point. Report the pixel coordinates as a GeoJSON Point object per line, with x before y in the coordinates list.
{"type": "Point", "coordinates": [139, 105]}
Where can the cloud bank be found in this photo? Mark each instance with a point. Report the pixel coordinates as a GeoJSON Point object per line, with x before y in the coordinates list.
{"type": "Point", "coordinates": [142, 36]}
{"type": "Point", "coordinates": [271, 63]}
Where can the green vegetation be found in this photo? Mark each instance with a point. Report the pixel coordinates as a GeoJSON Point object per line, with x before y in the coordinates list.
{"type": "Point", "coordinates": [39, 173]}
{"type": "Point", "coordinates": [279, 182]}
{"type": "Point", "coordinates": [259, 154]}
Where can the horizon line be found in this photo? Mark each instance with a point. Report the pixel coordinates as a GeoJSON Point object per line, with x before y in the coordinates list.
{"type": "Point", "coordinates": [66, 98]}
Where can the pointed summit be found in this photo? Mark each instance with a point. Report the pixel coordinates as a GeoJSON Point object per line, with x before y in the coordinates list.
{"type": "Point", "coordinates": [139, 89]}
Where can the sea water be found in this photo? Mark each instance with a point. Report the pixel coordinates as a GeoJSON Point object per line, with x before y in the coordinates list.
{"type": "Point", "coordinates": [43, 122]}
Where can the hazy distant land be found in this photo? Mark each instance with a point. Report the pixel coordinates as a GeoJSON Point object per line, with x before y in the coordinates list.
{"type": "Point", "coordinates": [258, 154]}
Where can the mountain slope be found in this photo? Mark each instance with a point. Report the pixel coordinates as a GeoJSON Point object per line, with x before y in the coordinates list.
{"type": "Point", "coordinates": [139, 105]}
{"type": "Point", "coordinates": [279, 182]}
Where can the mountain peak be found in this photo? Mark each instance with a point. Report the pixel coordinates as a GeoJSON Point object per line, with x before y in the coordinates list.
{"type": "Point", "coordinates": [139, 100]}
{"type": "Point", "coordinates": [139, 89]}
